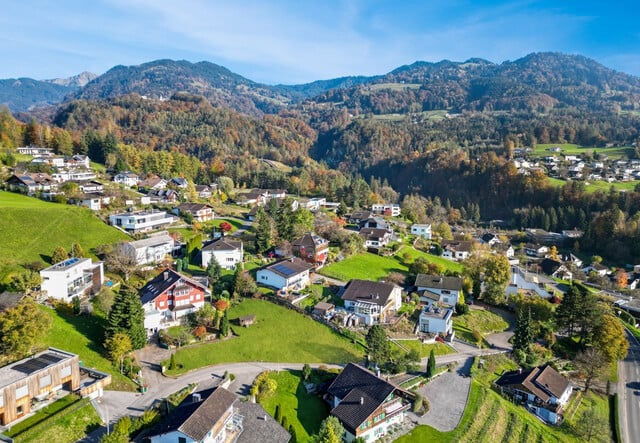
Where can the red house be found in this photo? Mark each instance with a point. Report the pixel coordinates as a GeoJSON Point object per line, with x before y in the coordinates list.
{"type": "Point", "coordinates": [311, 248]}
{"type": "Point", "coordinates": [168, 297]}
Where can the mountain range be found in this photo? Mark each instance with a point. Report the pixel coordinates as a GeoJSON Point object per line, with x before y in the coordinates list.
{"type": "Point", "coordinates": [537, 82]}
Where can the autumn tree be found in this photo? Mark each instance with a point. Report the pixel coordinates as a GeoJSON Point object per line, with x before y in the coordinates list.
{"type": "Point", "coordinates": [378, 344]}
{"type": "Point", "coordinates": [591, 365]}
{"type": "Point", "coordinates": [118, 346]}
{"type": "Point", "coordinates": [496, 277]}
{"type": "Point", "coordinates": [77, 251]}
{"type": "Point", "coordinates": [331, 431]}
{"type": "Point", "coordinates": [59, 254]}
{"type": "Point", "coordinates": [610, 338]}
{"type": "Point", "coordinates": [21, 328]}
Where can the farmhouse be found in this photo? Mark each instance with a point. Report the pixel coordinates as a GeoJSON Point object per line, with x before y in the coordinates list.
{"type": "Point", "coordinates": [311, 248]}
{"type": "Point", "coordinates": [36, 379]}
{"type": "Point", "coordinates": [150, 250]}
{"type": "Point", "coordinates": [228, 253]}
{"type": "Point", "coordinates": [169, 297]}
{"type": "Point", "coordinates": [75, 276]}
{"type": "Point", "coordinates": [285, 275]}
{"type": "Point", "coordinates": [141, 221]}
{"type": "Point", "coordinates": [366, 405]}
{"type": "Point", "coordinates": [373, 302]}
{"type": "Point", "coordinates": [543, 390]}
{"type": "Point", "coordinates": [439, 289]}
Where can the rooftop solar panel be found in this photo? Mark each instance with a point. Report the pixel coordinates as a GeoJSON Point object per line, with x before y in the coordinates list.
{"type": "Point", "coordinates": [35, 364]}
{"type": "Point", "coordinates": [283, 269]}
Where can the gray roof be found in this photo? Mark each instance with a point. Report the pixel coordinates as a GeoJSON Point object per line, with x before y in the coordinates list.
{"type": "Point", "coordinates": [10, 300]}
{"type": "Point", "coordinates": [154, 240]}
{"type": "Point", "coordinates": [223, 244]}
{"type": "Point", "coordinates": [289, 267]}
{"type": "Point", "coordinates": [258, 426]}
{"type": "Point", "coordinates": [198, 424]}
{"type": "Point", "coordinates": [368, 291]}
{"type": "Point", "coordinates": [439, 282]}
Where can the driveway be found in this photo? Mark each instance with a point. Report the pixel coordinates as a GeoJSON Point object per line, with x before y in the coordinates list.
{"type": "Point", "coordinates": [447, 396]}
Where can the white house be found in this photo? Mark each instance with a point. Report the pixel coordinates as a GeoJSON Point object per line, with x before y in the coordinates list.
{"type": "Point", "coordinates": [126, 178]}
{"type": "Point", "coordinates": [423, 230]}
{"type": "Point", "coordinates": [439, 289]}
{"type": "Point", "coordinates": [386, 209]}
{"type": "Point", "coordinates": [228, 253]}
{"type": "Point", "coordinates": [456, 250]}
{"type": "Point", "coordinates": [373, 302]}
{"type": "Point", "coordinates": [150, 250]}
{"type": "Point", "coordinates": [286, 275]}
{"type": "Point", "coordinates": [434, 320]}
{"type": "Point", "coordinates": [375, 238]}
{"type": "Point", "coordinates": [93, 201]}
{"type": "Point", "coordinates": [528, 282]}
{"type": "Point", "coordinates": [141, 221]}
{"type": "Point", "coordinates": [71, 277]}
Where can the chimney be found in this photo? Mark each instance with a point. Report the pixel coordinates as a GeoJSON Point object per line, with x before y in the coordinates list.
{"type": "Point", "coordinates": [519, 370]}
{"type": "Point", "coordinates": [195, 398]}
{"type": "Point", "coordinates": [166, 275]}
{"type": "Point", "coordinates": [361, 400]}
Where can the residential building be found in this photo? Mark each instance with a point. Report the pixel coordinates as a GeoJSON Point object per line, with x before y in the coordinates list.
{"type": "Point", "coordinates": [311, 248]}
{"type": "Point", "coordinates": [375, 238]}
{"type": "Point", "coordinates": [285, 275]}
{"type": "Point", "coordinates": [373, 302]}
{"type": "Point", "coordinates": [597, 268]}
{"type": "Point", "coordinates": [28, 383]}
{"type": "Point", "coordinates": [228, 253]}
{"type": "Point", "coordinates": [126, 178]}
{"type": "Point", "coordinates": [555, 269]}
{"type": "Point", "coordinates": [35, 151]}
{"type": "Point", "coordinates": [357, 216]}
{"type": "Point", "coordinates": [72, 277]}
{"type": "Point", "coordinates": [65, 175]}
{"type": "Point", "coordinates": [216, 415]}
{"type": "Point", "coordinates": [9, 300]}
{"type": "Point", "coordinates": [544, 237]}
{"type": "Point", "coordinates": [571, 259]}
{"type": "Point", "coordinates": [526, 282]}
{"type": "Point", "coordinates": [542, 390]}
{"type": "Point", "coordinates": [323, 309]}
{"type": "Point", "coordinates": [436, 320]}
{"type": "Point", "coordinates": [152, 183]}
{"type": "Point", "coordinates": [489, 238]}
{"type": "Point", "coordinates": [179, 182]}
{"type": "Point", "coordinates": [163, 196]}
{"type": "Point", "coordinates": [313, 204]}
{"type": "Point", "coordinates": [94, 201]}
{"type": "Point", "coordinates": [201, 212]}
{"type": "Point", "coordinates": [535, 250]}
{"type": "Point", "coordinates": [169, 297]}
{"type": "Point", "coordinates": [388, 209]}
{"type": "Point", "coordinates": [204, 192]}
{"type": "Point", "coordinates": [456, 249]}
{"type": "Point", "coordinates": [439, 289]}
{"type": "Point", "coordinates": [89, 186]}
{"type": "Point", "coordinates": [29, 183]}
{"type": "Point", "coordinates": [141, 221]}
{"type": "Point", "coordinates": [366, 405]}
{"type": "Point", "coordinates": [422, 230]}
{"type": "Point", "coordinates": [150, 250]}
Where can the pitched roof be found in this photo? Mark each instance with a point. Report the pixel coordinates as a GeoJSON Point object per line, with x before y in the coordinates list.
{"type": "Point", "coordinates": [373, 233]}
{"type": "Point", "coordinates": [549, 266]}
{"type": "Point", "coordinates": [289, 267]}
{"type": "Point", "coordinates": [9, 300]}
{"type": "Point", "coordinates": [193, 207]}
{"type": "Point", "coordinates": [164, 281]}
{"type": "Point", "coordinates": [368, 291]}
{"type": "Point", "coordinates": [310, 240]}
{"type": "Point", "coordinates": [360, 392]}
{"type": "Point", "coordinates": [258, 426]}
{"type": "Point", "coordinates": [455, 245]}
{"type": "Point", "coordinates": [439, 282]}
{"type": "Point", "coordinates": [222, 244]}
{"type": "Point", "coordinates": [154, 240]}
{"type": "Point", "coordinates": [197, 418]}
{"type": "Point", "coordinates": [542, 381]}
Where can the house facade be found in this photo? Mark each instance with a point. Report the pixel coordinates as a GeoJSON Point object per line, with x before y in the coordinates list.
{"type": "Point", "coordinates": [421, 230]}
{"type": "Point", "coordinates": [72, 277]}
{"type": "Point", "coordinates": [311, 248]}
{"type": "Point", "coordinates": [366, 405]}
{"type": "Point", "coordinates": [35, 379]}
{"type": "Point", "coordinates": [29, 184]}
{"type": "Point", "coordinates": [439, 289]}
{"type": "Point", "coordinates": [375, 238]}
{"type": "Point", "coordinates": [542, 389]}
{"type": "Point", "coordinates": [126, 178]}
{"type": "Point", "coordinates": [388, 209]}
{"type": "Point", "coordinates": [201, 212]}
{"type": "Point", "coordinates": [435, 320]}
{"type": "Point", "coordinates": [228, 253]}
{"type": "Point", "coordinates": [169, 297]}
{"type": "Point", "coordinates": [373, 302]}
{"type": "Point", "coordinates": [456, 250]}
{"type": "Point", "coordinates": [141, 221]}
{"type": "Point", "coordinates": [285, 275]}
{"type": "Point", "coordinates": [150, 250]}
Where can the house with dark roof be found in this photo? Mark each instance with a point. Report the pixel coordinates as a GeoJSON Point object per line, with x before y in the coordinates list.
{"type": "Point", "coordinates": [357, 216]}
{"type": "Point", "coordinates": [152, 182]}
{"type": "Point", "coordinates": [535, 250]}
{"type": "Point", "coordinates": [490, 239]}
{"type": "Point", "coordinates": [597, 268]}
{"type": "Point", "coordinates": [285, 275]}
{"type": "Point", "coordinates": [204, 191]}
{"type": "Point", "coordinates": [456, 249]}
{"type": "Point", "coordinates": [28, 183]}
{"type": "Point", "coordinates": [439, 289]}
{"type": "Point", "coordinates": [366, 405]}
{"type": "Point", "coordinates": [169, 297]}
{"type": "Point", "coordinates": [542, 390]}
{"type": "Point", "coordinates": [201, 212]}
{"type": "Point", "coordinates": [179, 182]}
{"type": "Point", "coordinates": [554, 268]}
{"type": "Point", "coordinates": [375, 238]}
{"type": "Point", "coordinates": [149, 250]}
{"type": "Point", "coordinates": [372, 302]}
{"type": "Point", "coordinates": [311, 248]}
{"type": "Point", "coordinates": [228, 253]}
{"type": "Point", "coordinates": [126, 178]}
{"type": "Point", "coordinates": [9, 300]}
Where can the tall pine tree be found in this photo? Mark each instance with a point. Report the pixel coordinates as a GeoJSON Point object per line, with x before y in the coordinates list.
{"type": "Point", "coordinates": [127, 316]}
{"type": "Point", "coordinates": [523, 335]}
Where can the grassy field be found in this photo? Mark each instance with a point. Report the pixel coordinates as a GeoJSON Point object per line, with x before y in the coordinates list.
{"type": "Point", "coordinates": [423, 349]}
{"type": "Point", "coordinates": [82, 335]}
{"type": "Point", "coordinates": [540, 150]}
{"type": "Point", "coordinates": [31, 229]}
{"type": "Point", "coordinates": [368, 266]}
{"type": "Point", "coordinates": [599, 185]}
{"type": "Point", "coordinates": [304, 411]}
{"type": "Point", "coordinates": [279, 335]}
{"type": "Point", "coordinates": [480, 320]}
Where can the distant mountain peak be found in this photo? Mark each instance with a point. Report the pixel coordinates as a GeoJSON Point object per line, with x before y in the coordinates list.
{"type": "Point", "coordinates": [76, 81]}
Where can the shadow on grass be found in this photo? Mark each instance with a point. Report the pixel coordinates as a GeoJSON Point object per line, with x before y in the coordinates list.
{"type": "Point", "coordinates": [312, 410]}
{"type": "Point", "coordinates": [90, 326]}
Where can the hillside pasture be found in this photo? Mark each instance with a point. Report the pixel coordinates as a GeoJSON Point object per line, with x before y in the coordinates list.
{"type": "Point", "coordinates": [542, 150]}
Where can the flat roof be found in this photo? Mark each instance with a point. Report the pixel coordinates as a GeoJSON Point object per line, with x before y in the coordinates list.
{"type": "Point", "coordinates": [66, 264]}
{"type": "Point", "coordinates": [28, 366]}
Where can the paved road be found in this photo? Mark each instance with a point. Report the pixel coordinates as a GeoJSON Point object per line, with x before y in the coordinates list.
{"type": "Point", "coordinates": [629, 393]}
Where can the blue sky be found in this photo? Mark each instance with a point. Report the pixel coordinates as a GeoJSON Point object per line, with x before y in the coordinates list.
{"type": "Point", "coordinates": [285, 41]}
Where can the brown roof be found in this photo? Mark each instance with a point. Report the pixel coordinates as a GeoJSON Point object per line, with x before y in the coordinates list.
{"type": "Point", "coordinates": [193, 207]}
{"type": "Point", "coordinates": [462, 245]}
{"type": "Point", "coordinates": [203, 419]}
{"type": "Point", "coordinates": [543, 382]}
{"type": "Point", "coordinates": [369, 291]}
{"type": "Point", "coordinates": [439, 282]}
{"type": "Point", "coordinates": [310, 240]}
{"type": "Point", "coordinates": [9, 300]}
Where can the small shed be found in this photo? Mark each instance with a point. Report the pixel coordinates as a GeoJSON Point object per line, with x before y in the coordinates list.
{"type": "Point", "coordinates": [247, 320]}
{"type": "Point", "coordinates": [323, 308]}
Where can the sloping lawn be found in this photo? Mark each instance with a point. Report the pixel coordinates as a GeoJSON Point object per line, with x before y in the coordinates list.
{"type": "Point", "coordinates": [82, 335]}
{"type": "Point", "coordinates": [480, 320]}
{"type": "Point", "coordinates": [304, 411]}
{"type": "Point", "coordinates": [423, 349]}
{"type": "Point", "coordinates": [279, 335]}
{"type": "Point", "coordinates": [31, 229]}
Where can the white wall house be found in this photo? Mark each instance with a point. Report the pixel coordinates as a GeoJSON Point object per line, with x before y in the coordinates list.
{"type": "Point", "coordinates": [524, 281]}
{"type": "Point", "coordinates": [422, 230]}
{"type": "Point", "coordinates": [141, 221]}
{"type": "Point", "coordinates": [126, 178]}
{"type": "Point", "coordinates": [228, 253]}
{"type": "Point", "coordinates": [74, 276]}
{"type": "Point", "coordinates": [435, 320]}
{"type": "Point", "coordinates": [150, 250]}
{"type": "Point", "coordinates": [386, 209]}
{"type": "Point", "coordinates": [372, 302]}
{"type": "Point", "coordinates": [439, 289]}
{"type": "Point", "coordinates": [285, 275]}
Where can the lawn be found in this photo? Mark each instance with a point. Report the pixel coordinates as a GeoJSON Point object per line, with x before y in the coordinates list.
{"type": "Point", "coordinates": [423, 349]}
{"type": "Point", "coordinates": [304, 411]}
{"type": "Point", "coordinates": [31, 229]}
{"type": "Point", "coordinates": [367, 266]}
{"type": "Point", "coordinates": [82, 335]}
{"type": "Point", "coordinates": [480, 320]}
{"type": "Point", "coordinates": [599, 185]}
{"type": "Point", "coordinates": [540, 150]}
{"type": "Point", "coordinates": [279, 335]}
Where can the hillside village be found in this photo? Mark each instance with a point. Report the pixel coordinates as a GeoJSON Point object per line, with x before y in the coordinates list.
{"type": "Point", "coordinates": [196, 250]}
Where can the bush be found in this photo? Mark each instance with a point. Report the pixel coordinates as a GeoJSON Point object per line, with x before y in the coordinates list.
{"type": "Point", "coordinates": [417, 403]}
{"type": "Point", "coordinates": [462, 308]}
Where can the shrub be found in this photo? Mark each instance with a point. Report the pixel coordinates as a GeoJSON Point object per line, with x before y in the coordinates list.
{"type": "Point", "coordinates": [462, 308]}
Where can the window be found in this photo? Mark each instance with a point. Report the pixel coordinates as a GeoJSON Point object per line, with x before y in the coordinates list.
{"type": "Point", "coordinates": [1, 401]}
{"type": "Point", "coordinates": [22, 391]}
{"type": "Point", "coordinates": [45, 381]}
{"type": "Point", "coordinates": [66, 371]}
{"type": "Point", "coordinates": [182, 440]}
